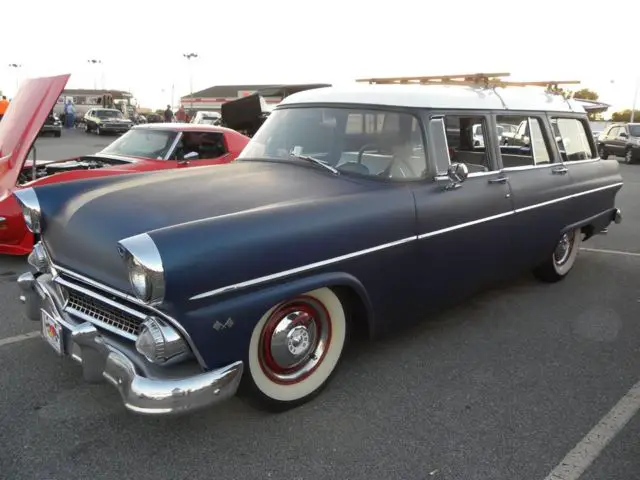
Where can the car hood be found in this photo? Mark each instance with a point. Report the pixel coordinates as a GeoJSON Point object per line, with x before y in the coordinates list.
{"type": "Point", "coordinates": [84, 220]}
{"type": "Point", "coordinates": [21, 124]}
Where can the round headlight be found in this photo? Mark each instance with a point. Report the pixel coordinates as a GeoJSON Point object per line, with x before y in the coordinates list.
{"type": "Point", "coordinates": [139, 281]}
{"type": "Point", "coordinates": [144, 266]}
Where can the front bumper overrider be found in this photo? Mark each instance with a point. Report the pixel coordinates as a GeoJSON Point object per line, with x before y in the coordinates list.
{"type": "Point", "coordinates": [145, 388]}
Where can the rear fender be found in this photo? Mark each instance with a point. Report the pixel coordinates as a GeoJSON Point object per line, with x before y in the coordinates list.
{"type": "Point", "coordinates": [222, 329]}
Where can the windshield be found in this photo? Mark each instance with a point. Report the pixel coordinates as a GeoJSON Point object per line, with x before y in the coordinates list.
{"type": "Point", "coordinates": [108, 114]}
{"type": "Point", "coordinates": [374, 143]}
{"type": "Point", "coordinates": [143, 143]}
{"type": "Point", "coordinates": [634, 130]}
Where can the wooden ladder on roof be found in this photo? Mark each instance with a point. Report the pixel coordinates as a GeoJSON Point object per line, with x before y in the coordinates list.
{"type": "Point", "coordinates": [486, 80]}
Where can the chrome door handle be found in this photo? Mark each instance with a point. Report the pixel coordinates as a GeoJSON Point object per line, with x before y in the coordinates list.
{"type": "Point", "coordinates": [560, 170]}
{"type": "Point", "coordinates": [2, 220]}
{"type": "Point", "coordinates": [502, 179]}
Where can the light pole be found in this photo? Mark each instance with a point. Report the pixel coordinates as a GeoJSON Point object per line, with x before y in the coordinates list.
{"type": "Point", "coordinates": [16, 66]}
{"type": "Point", "coordinates": [635, 98]}
{"type": "Point", "coordinates": [189, 56]}
{"type": "Point", "coordinates": [95, 62]}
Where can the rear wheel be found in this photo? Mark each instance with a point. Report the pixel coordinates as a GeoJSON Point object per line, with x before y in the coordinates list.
{"type": "Point", "coordinates": [562, 259]}
{"type": "Point", "coordinates": [294, 350]}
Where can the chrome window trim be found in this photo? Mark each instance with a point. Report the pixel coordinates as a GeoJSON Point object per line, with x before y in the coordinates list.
{"type": "Point", "coordinates": [588, 160]}
{"type": "Point", "coordinates": [532, 167]}
{"type": "Point", "coordinates": [173, 146]}
{"type": "Point", "coordinates": [322, 263]}
{"type": "Point", "coordinates": [134, 300]}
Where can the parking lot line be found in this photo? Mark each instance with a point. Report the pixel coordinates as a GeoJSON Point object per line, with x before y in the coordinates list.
{"type": "Point", "coordinates": [19, 338]}
{"type": "Point", "coordinates": [585, 452]}
{"type": "Point", "coordinates": [613, 252]}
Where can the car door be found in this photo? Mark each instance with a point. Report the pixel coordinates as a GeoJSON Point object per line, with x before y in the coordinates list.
{"type": "Point", "coordinates": [621, 141]}
{"type": "Point", "coordinates": [461, 227]}
{"type": "Point", "coordinates": [611, 143]}
{"type": "Point", "coordinates": [591, 177]}
{"type": "Point", "coordinates": [538, 181]}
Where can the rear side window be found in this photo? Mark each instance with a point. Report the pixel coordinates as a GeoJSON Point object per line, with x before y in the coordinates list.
{"type": "Point", "coordinates": [573, 140]}
{"type": "Point", "coordinates": [523, 141]}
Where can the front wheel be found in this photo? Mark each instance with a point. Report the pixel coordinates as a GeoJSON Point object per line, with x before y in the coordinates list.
{"type": "Point", "coordinates": [602, 152]}
{"type": "Point", "coordinates": [628, 156]}
{"type": "Point", "coordinates": [294, 350]}
{"type": "Point", "coordinates": [562, 259]}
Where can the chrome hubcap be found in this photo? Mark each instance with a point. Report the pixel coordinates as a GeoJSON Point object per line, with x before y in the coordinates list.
{"type": "Point", "coordinates": [294, 341]}
{"type": "Point", "coordinates": [563, 249]}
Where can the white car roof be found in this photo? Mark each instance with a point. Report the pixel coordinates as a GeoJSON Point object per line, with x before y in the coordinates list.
{"type": "Point", "coordinates": [438, 97]}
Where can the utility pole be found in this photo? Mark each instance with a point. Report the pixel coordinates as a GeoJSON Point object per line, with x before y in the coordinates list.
{"type": "Point", "coordinates": [16, 66]}
{"type": "Point", "coordinates": [189, 56]}
{"type": "Point", "coordinates": [635, 98]}
{"type": "Point", "coordinates": [95, 78]}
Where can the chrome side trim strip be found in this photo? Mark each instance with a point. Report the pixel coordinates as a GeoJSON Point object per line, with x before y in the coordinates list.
{"type": "Point", "coordinates": [463, 225]}
{"type": "Point", "coordinates": [174, 323]}
{"type": "Point", "coordinates": [304, 268]}
{"type": "Point", "coordinates": [568, 197]}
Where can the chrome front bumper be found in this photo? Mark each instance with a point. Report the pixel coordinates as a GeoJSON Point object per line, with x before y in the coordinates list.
{"type": "Point", "coordinates": [145, 388]}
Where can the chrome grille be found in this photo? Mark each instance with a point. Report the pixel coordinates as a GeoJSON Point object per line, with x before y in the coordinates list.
{"type": "Point", "coordinates": [102, 313]}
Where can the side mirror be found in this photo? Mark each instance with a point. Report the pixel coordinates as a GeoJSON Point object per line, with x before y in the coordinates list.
{"type": "Point", "coordinates": [457, 173]}
{"type": "Point", "coordinates": [188, 157]}
{"type": "Point", "coordinates": [624, 135]}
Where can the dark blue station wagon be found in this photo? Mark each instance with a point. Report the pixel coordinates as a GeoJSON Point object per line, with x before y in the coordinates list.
{"type": "Point", "coordinates": [353, 209]}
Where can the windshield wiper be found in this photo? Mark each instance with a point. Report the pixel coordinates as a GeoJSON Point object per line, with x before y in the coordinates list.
{"type": "Point", "coordinates": [316, 161]}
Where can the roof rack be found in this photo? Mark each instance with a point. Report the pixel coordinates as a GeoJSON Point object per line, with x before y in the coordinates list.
{"type": "Point", "coordinates": [487, 80]}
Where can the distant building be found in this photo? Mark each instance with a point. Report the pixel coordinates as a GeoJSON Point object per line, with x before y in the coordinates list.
{"type": "Point", "coordinates": [593, 107]}
{"type": "Point", "coordinates": [212, 98]}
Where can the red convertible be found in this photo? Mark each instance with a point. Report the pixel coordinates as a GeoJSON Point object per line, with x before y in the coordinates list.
{"type": "Point", "coordinates": [143, 148]}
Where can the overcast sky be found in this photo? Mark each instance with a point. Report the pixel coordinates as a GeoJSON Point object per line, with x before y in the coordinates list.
{"type": "Point", "coordinates": [141, 42]}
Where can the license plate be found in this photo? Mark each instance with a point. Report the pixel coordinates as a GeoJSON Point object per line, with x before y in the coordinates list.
{"type": "Point", "coordinates": [51, 331]}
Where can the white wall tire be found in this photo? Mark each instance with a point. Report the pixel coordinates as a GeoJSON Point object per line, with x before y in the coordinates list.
{"type": "Point", "coordinates": [295, 348]}
{"type": "Point", "coordinates": [562, 259]}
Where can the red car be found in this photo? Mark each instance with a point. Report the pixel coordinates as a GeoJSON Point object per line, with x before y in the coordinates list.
{"type": "Point", "coordinates": [144, 147]}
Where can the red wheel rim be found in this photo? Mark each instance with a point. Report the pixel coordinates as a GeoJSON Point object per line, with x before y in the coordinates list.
{"type": "Point", "coordinates": [294, 340]}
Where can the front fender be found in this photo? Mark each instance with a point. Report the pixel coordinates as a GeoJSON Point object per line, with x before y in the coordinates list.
{"type": "Point", "coordinates": [221, 330]}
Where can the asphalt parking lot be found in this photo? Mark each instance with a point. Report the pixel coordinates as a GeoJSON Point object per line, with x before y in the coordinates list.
{"type": "Point", "coordinates": [502, 387]}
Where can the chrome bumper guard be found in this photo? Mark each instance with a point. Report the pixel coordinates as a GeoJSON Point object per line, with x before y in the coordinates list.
{"type": "Point", "coordinates": [617, 216]}
{"type": "Point", "coordinates": [145, 388]}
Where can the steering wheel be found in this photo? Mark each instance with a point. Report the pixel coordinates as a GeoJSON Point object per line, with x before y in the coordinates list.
{"type": "Point", "coordinates": [387, 171]}
{"type": "Point", "coordinates": [373, 146]}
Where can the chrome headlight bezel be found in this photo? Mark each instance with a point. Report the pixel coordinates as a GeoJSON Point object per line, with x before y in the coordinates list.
{"type": "Point", "coordinates": [28, 201]}
{"type": "Point", "coordinates": [145, 269]}
{"type": "Point", "coordinates": [160, 343]}
{"type": "Point", "coordinates": [39, 258]}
